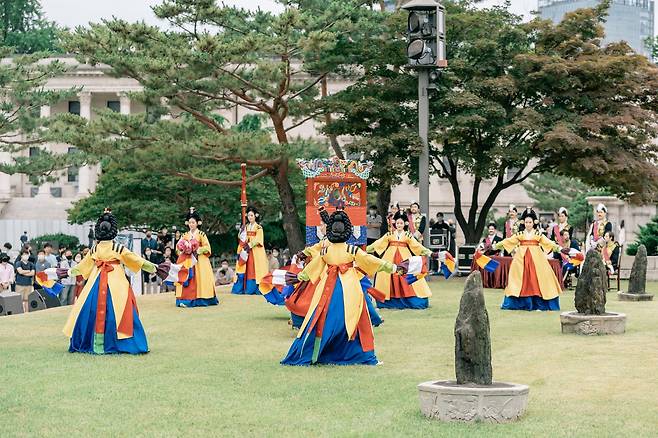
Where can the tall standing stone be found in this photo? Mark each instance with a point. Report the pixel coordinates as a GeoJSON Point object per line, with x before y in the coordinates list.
{"type": "Point", "coordinates": [637, 282]}
{"type": "Point", "coordinates": [592, 285]}
{"type": "Point", "coordinates": [472, 340]}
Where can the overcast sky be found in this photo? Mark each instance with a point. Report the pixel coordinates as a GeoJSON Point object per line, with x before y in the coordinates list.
{"type": "Point", "coordinates": [73, 13]}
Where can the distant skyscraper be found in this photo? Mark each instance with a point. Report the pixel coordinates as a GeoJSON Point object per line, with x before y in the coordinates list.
{"type": "Point", "coordinates": [628, 20]}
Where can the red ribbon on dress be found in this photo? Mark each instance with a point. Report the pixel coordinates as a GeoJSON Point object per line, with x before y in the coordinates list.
{"type": "Point", "coordinates": [363, 328]}
{"type": "Point", "coordinates": [101, 307]}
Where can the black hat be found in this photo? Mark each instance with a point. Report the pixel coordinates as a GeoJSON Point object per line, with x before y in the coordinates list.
{"type": "Point", "coordinates": [339, 227]}
{"type": "Point", "coordinates": [106, 226]}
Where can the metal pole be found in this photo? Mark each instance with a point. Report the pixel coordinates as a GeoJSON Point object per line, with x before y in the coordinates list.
{"type": "Point", "coordinates": [424, 159]}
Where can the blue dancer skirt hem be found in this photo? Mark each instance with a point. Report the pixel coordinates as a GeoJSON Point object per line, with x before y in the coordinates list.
{"type": "Point", "coordinates": [275, 297]}
{"type": "Point", "coordinates": [242, 287]}
{"type": "Point", "coordinates": [334, 348]}
{"type": "Point", "coordinates": [82, 340]}
{"type": "Point", "coordinates": [415, 303]}
{"type": "Point", "coordinates": [530, 303]}
{"type": "Point", "coordinates": [198, 302]}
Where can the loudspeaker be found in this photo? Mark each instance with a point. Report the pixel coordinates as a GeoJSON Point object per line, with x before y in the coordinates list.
{"type": "Point", "coordinates": [50, 300]}
{"type": "Point", "coordinates": [11, 303]}
{"type": "Point", "coordinates": [36, 302]}
{"type": "Point", "coordinates": [465, 258]}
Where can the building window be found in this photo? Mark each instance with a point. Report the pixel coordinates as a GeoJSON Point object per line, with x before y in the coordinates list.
{"type": "Point", "coordinates": [74, 107]}
{"type": "Point", "coordinates": [114, 105]}
{"type": "Point", "coordinates": [34, 151]}
{"type": "Point", "coordinates": [73, 171]}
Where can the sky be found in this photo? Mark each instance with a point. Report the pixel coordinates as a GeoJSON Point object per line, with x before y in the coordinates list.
{"type": "Point", "coordinates": [72, 13]}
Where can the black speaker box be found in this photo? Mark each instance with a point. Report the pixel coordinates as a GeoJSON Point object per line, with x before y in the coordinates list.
{"type": "Point", "coordinates": [10, 303]}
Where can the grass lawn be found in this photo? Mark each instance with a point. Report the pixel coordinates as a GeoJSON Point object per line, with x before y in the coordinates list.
{"type": "Point", "coordinates": [216, 372]}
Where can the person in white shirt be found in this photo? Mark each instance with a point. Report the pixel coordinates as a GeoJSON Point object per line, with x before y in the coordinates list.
{"type": "Point", "coordinates": [7, 274]}
{"type": "Point", "coordinates": [67, 295]}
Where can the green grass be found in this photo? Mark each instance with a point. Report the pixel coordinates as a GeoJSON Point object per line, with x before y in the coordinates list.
{"type": "Point", "coordinates": [216, 372]}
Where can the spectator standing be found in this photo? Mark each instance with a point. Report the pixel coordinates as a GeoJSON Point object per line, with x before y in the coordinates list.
{"type": "Point", "coordinates": [7, 274]}
{"type": "Point", "coordinates": [165, 237]}
{"type": "Point", "coordinates": [224, 274]}
{"type": "Point", "coordinates": [50, 257]}
{"type": "Point", "coordinates": [11, 253]}
{"type": "Point", "coordinates": [43, 263]}
{"type": "Point", "coordinates": [24, 238]}
{"type": "Point", "coordinates": [374, 225]}
{"type": "Point", "coordinates": [91, 236]}
{"type": "Point", "coordinates": [176, 237]}
{"type": "Point", "coordinates": [25, 271]}
{"type": "Point", "coordinates": [277, 256]}
{"type": "Point", "coordinates": [67, 295]}
{"type": "Point", "coordinates": [151, 281]}
{"type": "Point", "coordinates": [149, 242]}
{"type": "Point", "coordinates": [448, 229]}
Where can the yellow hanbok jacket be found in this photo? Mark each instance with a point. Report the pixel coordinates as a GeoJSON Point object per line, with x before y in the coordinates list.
{"type": "Point", "coordinates": [342, 254]}
{"type": "Point", "coordinates": [116, 279]}
{"type": "Point", "coordinates": [205, 279]}
{"type": "Point", "coordinates": [549, 285]}
{"type": "Point", "coordinates": [409, 246]}
{"type": "Point", "coordinates": [256, 241]}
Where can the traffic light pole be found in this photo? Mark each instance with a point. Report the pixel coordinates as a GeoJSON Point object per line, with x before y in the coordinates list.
{"type": "Point", "coordinates": [424, 159]}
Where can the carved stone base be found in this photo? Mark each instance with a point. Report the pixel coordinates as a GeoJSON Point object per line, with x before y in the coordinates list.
{"type": "Point", "coordinates": [623, 296]}
{"type": "Point", "coordinates": [497, 403]}
{"type": "Point", "coordinates": [608, 324]}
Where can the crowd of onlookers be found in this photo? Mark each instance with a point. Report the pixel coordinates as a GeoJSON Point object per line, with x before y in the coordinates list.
{"type": "Point", "coordinates": [19, 267]}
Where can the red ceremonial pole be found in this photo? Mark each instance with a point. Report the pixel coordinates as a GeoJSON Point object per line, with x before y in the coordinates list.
{"type": "Point", "coordinates": [243, 195]}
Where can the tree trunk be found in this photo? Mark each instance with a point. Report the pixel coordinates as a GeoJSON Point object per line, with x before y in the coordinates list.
{"type": "Point", "coordinates": [291, 224]}
{"type": "Point", "coordinates": [383, 201]}
{"type": "Point", "coordinates": [290, 216]}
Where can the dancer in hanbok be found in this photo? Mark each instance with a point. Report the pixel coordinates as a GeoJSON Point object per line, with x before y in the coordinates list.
{"type": "Point", "coordinates": [104, 318]}
{"type": "Point", "coordinates": [532, 284]}
{"type": "Point", "coordinates": [197, 288]}
{"type": "Point", "coordinates": [396, 247]}
{"type": "Point", "coordinates": [252, 263]}
{"type": "Point", "coordinates": [337, 328]}
{"type": "Point", "coordinates": [298, 297]}
{"type": "Point", "coordinates": [610, 251]}
{"type": "Point", "coordinates": [598, 228]}
{"type": "Point", "coordinates": [512, 223]}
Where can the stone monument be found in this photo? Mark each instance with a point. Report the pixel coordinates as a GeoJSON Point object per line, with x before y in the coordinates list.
{"type": "Point", "coordinates": [590, 317]}
{"type": "Point", "coordinates": [474, 396]}
{"type": "Point", "coordinates": [637, 282]}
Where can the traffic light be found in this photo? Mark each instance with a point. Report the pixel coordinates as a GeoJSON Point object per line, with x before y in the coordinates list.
{"type": "Point", "coordinates": [426, 42]}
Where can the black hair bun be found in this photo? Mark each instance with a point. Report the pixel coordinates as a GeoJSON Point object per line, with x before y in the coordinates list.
{"type": "Point", "coordinates": [339, 227]}
{"type": "Point", "coordinates": [106, 226]}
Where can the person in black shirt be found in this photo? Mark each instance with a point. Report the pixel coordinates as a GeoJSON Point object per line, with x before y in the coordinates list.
{"type": "Point", "coordinates": [448, 228]}
{"type": "Point", "coordinates": [25, 271]}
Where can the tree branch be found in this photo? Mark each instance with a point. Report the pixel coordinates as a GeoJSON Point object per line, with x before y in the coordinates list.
{"type": "Point", "coordinates": [308, 87]}
{"type": "Point", "coordinates": [217, 182]}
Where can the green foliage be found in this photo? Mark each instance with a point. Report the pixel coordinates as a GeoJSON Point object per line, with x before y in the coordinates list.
{"type": "Point", "coordinates": [56, 240]}
{"type": "Point", "coordinates": [23, 27]}
{"type": "Point", "coordinates": [647, 236]}
{"type": "Point", "coordinates": [531, 97]}
{"type": "Point", "coordinates": [551, 192]}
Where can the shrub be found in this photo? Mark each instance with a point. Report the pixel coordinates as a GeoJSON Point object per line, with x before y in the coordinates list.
{"type": "Point", "coordinates": [56, 240]}
{"type": "Point", "coordinates": [647, 236]}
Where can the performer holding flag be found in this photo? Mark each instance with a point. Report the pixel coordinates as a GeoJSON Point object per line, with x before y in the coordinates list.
{"type": "Point", "coordinates": [396, 247]}
{"type": "Point", "coordinates": [337, 328]}
{"type": "Point", "coordinates": [532, 283]}
{"type": "Point", "coordinates": [105, 319]}
{"type": "Point", "coordinates": [195, 285]}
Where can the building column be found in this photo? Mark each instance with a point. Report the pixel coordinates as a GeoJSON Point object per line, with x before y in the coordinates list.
{"type": "Point", "coordinates": [5, 178]}
{"type": "Point", "coordinates": [124, 103]}
{"type": "Point", "coordinates": [85, 172]}
{"type": "Point", "coordinates": [44, 189]}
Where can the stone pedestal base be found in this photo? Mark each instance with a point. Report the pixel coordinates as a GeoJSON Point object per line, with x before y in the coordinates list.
{"type": "Point", "coordinates": [496, 403]}
{"type": "Point", "coordinates": [623, 296]}
{"type": "Point", "coordinates": [607, 324]}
